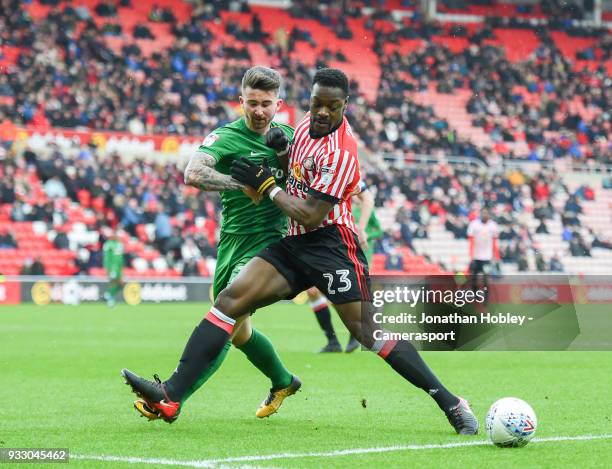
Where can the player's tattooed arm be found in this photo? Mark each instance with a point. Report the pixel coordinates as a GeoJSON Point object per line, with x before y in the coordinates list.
{"type": "Point", "coordinates": [201, 173]}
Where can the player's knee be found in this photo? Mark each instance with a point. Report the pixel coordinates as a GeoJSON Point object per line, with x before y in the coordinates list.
{"type": "Point", "coordinates": [227, 302]}
{"type": "Point", "coordinates": [232, 302]}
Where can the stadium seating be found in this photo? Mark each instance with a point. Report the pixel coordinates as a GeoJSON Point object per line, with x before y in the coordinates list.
{"type": "Point", "coordinates": [452, 107]}
{"type": "Point", "coordinates": [500, 10]}
{"type": "Point", "coordinates": [441, 246]}
{"type": "Point", "coordinates": [364, 64]}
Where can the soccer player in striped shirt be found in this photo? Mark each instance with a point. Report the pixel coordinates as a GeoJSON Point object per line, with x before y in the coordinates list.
{"type": "Point", "coordinates": [322, 250]}
{"type": "Point", "coordinates": [368, 229]}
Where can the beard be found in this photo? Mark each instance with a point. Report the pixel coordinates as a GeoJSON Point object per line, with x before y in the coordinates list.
{"type": "Point", "coordinates": [322, 133]}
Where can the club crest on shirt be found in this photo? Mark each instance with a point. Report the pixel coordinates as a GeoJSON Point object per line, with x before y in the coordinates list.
{"type": "Point", "coordinates": [211, 139]}
{"type": "Point", "coordinates": [308, 163]}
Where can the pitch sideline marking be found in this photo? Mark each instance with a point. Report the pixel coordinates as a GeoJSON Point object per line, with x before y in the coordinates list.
{"type": "Point", "coordinates": [215, 463]}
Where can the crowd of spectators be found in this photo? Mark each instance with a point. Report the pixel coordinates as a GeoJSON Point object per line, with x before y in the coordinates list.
{"type": "Point", "coordinates": [559, 13]}
{"type": "Point", "coordinates": [66, 76]}
{"type": "Point", "coordinates": [455, 195]}
{"type": "Point", "coordinates": [568, 117]}
{"type": "Point", "coordinates": [179, 225]}
{"type": "Point", "coordinates": [115, 195]}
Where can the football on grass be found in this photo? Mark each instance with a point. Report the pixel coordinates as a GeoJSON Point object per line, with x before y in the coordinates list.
{"type": "Point", "coordinates": [511, 423]}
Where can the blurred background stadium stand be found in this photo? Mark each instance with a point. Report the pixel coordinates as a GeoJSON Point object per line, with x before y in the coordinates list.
{"type": "Point", "coordinates": [457, 105]}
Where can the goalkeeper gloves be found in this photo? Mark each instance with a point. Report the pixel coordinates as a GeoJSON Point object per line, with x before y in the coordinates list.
{"type": "Point", "coordinates": [277, 139]}
{"type": "Point", "coordinates": [251, 174]}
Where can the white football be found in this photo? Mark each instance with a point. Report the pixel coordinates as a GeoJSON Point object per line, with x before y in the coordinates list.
{"type": "Point", "coordinates": [511, 422]}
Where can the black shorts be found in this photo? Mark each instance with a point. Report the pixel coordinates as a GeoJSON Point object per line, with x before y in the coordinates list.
{"type": "Point", "coordinates": [478, 266]}
{"type": "Point", "coordinates": [328, 258]}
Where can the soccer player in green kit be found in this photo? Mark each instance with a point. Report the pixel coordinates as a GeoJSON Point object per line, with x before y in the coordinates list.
{"type": "Point", "coordinates": [249, 224]}
{"type": "Point", "coordinates": [369, 226]}
{"type": "Point", "coordinates": [113, 264]}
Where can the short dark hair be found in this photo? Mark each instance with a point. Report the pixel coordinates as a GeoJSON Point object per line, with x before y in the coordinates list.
{"type": "Point", "coordinates": [261, 78]}
{"type": "Point", "coordinates": [333, 78]}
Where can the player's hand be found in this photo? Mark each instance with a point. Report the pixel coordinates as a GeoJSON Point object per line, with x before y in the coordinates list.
{"type": "Point", "coordinates": [252, 194]}
{"type": "Point", "coordinates": [253, 175]}
{"type": "Point", "coordinates": [363, 239]}
{"type": "Point", "coordinates": [358, 189]}
{"type": "Point", "coordinates": [277, 139]}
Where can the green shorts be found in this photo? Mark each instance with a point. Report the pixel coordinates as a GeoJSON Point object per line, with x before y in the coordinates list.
{"type": "Point", "coordinates": [234, 251]}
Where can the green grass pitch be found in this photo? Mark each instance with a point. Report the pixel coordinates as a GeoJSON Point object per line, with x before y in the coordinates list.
{"type": "Point", "coordinates": [61, 387]}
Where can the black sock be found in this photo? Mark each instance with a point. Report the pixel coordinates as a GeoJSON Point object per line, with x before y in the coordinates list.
{"type": "Point", "coordinates": [405, 359]}
{"type": "Point", "coordinates": [324, 319]}
{"type": "Point", "coordinates": [206, 342]}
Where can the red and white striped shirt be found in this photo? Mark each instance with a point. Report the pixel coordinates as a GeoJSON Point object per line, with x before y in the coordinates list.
{"type": "Point", "coordinates": [328, 165]}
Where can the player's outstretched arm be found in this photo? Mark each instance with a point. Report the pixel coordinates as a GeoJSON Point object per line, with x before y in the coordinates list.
{"type": "Point", "coordinates": [201, 173]}
{"type": "Point", "coordinates": [309, 212]}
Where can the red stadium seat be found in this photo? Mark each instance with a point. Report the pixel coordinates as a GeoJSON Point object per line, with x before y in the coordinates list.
{"type": "Point", "coordinates": [455, 44]}
{"type": "Point", "coordinates": [37, 11]}
{"type": "Point", "coordinates": [404, 46]}
{"type": "Point", "coordinates": [97, 272]}
{"type": "Point", "coordinates": [518, 44]}
{"type": "Point", "coordinates": [570, 45]}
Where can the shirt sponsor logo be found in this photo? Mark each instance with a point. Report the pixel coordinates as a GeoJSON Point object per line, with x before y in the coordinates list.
{"type": "Point", "coordinates": [277, 173]}
{"type": "Point", "coordinates": [298, 184]}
